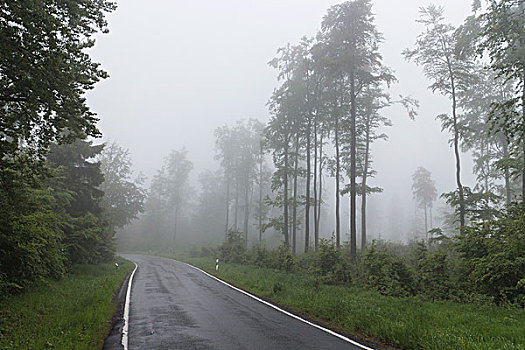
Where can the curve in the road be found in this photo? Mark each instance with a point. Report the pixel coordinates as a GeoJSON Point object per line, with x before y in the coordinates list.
{"type": "Point", "coordinates": [173, 305]}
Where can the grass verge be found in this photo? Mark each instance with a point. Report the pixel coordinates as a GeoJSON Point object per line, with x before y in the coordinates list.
{"type": "Point", "coordinates": [72, 313]}
{"type": "Point", "coordinates": [408, 323]}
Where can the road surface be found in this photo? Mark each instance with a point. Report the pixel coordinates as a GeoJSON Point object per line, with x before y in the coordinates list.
{"type": "Point", "coordinates": [174, 306]}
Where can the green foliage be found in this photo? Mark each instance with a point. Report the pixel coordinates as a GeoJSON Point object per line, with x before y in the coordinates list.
{"type": "Point", "coordinates": [282, 259]}
{"type": "Point", "coordinates": [88, 237]}
{"type": "Point", "coordinates": [45, 72]}
{"type": "Point", "coordinates": [387, 273]}
{"type": "Point", "coordinates": [123, 197]}
{"type": "Point", "coordinates": [32, 220]}
{"type": "Point", "coordinates": [234, 249]}
{"type": "Point", "coordinates": [407, 323]}
{"type": "Point", "coordinates": [432, 273]}
{"type": "Point", "coordinates": [494, 252]}
{"type": "Point", "coordinates": [73, 313]}
{"type": "Point", "coordinates": [331, 264]}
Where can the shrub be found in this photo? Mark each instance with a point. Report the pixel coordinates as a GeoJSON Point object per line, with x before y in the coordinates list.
{"type": "Point", "coordinates": [331, 263]}
{"type": "Point", "coordinates": [387, 273]}
{"type": "Point", "coordinates": [495, 255]}
{"type": "Point", "coordinates": [234, 249]}
{"type": "Point", "coordinates": [282, 259]}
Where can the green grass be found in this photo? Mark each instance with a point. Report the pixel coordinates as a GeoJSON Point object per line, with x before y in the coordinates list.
{"type": "Point", "coordinates": [72, 313]}
{"type": "Point", "coordinates": [409, 323]}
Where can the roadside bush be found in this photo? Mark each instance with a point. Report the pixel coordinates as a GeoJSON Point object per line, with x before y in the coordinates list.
{"type": "Point", "coordinates": [234, 249]}
{"type": "Point", "coordinates": [495, 255]}
{"type": "Point", "coordinates": [433, 277]}
{"type": "Point", "coordinates": [282, 259]}
{"type": "Point", "coordinates": [260, 256]}
{"type": "Point", "coordinates": [331, 263]}
{"type": "Point", "coordinates": [387, 273]}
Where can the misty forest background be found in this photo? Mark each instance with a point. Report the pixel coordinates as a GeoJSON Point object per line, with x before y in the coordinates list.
{"type": "Point", "coordinates": [289, 192]}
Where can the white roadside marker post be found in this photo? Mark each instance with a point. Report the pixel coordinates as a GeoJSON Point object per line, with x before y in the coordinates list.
{"type": "Point", "coordinates": [217, 265]}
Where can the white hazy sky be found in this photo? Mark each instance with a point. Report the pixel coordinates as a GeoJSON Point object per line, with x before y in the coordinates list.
{"type": "Point", "coordinates": [181, 68]}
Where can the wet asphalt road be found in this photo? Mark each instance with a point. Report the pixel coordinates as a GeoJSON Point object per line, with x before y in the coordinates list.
{"type": "Point", "coordinates": [174, 306]}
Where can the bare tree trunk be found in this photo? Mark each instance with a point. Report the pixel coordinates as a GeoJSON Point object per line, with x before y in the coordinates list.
{"type": "Point", "coordinates": [337, 194]}
{"type": "Point", "coordinates": [260, 191]}
{"type": "Point", "coordinates": [508, 193]}
{"type": "Point", "coordinates": [236, 227]}
{"type": "Point", "coordinates": [227, 205]}
{"type": "Point", "coordinates": [316, 227]}
{"type": "Point", "coordinates": [320, 196]}
{"type": "Point", "coordinates": [426, 222]}
{"type": "Point", "coordinates": [353, 231]}
{"type": "Point", "coordinates": [285, 199]}
{"type": "Point", "coordinates": [430, 209]}
{"type": "Point", "coordinates": [523, 135]}
{"type": "Point", "coordinates": [456, 147]}
{"type": "Point", "coordinates": [246, 207]}
{"type": "Point", "coordinates": [308, 171]}
{"type": "Point", "coordinates": [364, 186]}
{"type": "Point", "coordinates": [294, 207]}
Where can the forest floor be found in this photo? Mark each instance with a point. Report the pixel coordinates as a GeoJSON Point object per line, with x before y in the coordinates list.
{"type": "Point", "coordinates": [72, 313]}
{"type": "Point", "coordinates": [407, 323]}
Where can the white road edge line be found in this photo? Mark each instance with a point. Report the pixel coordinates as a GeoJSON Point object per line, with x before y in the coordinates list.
{"type": "Point", "coordinates": [329, 331]}
{"type": "Point", "coordinates": [124, 341]}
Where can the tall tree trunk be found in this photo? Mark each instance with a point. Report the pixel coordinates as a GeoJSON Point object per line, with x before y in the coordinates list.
{"type": "Point", "coordinates": [364, 185]}
{"type": "Point", "coordinates": [337, 194]}
{"type": "Point", "coordinates": [430, 209]}
{"type": "Point", "coordinates": [285, 199]}
{"type": "Point", "coordinates": [320, 195]}
{"type": "Point", "coordinates": [523, 135]}
{"type": "Point", "coordinates": [353, 233]}
{"type": "Point", "coordinates": [456, 147]}
{"type": "Point", "coordinates": [246, 207]}
{"type": "Point", "coordinates": [294, 207]}
{"type": "Point", "coordinates": [236, 227]}
{"type": "Point", "coordinates": [426, 221]}
{"type": "Point", "coordinates": [227, 205]}
{"type": "Point", "coordinates": [316, 232]}
{"type": "Point", "coordinates": [307, 205]}
{"type": "Point", "coordinates": [260, 191]}
{"type": "Point", "coordinates": [508, 193]}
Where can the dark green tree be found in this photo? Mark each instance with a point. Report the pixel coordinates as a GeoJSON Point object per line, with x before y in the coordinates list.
{"type": "Point", "coordinates": [45, 71]}
{"type": "Point", "coordinates": [123, 196]}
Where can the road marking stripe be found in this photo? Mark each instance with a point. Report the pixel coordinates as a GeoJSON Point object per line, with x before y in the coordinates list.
{"type": "Point", "coordinates": [126, 311]}
{"type": "Point", "coordinates": [329, 331]}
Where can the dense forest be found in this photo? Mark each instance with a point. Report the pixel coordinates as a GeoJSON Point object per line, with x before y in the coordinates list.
{"type": "Point", "coordinates": [279, 185]}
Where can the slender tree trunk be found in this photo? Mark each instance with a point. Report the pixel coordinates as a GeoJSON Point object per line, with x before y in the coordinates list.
{"type": "Point", "coordinates": [456, 148]}
{"type": "Point", "coordinates": [320, 196]}
{"type": "Point", "coordinates": [426, 222]}
{"type": "Point", "coordinates": [523, 137]}
{"type": "Point", "coordinates": [508, 193]}
{"type": "Point", "coordinates": [294, 208]}
{"type": "Point", "coordinates": [308, 173]}
{"type": "Point", "coordinates": [227, 205]}
{"type": "Point", "coordinates": [246, 207]}
{"type": "Point", "coordinates": [364, 185]}
{"type": "Point", "coordinates": [337, 194]}
{"type": "Point", "coordinates": [316, 232]}
{"type": "Point", "coordinates": [285, 199]}
{"type": "Point", "coordinates": [260, 191]}
{"type": "Point", "coordinates": [353, 233]}
{"type": "Point", "coordinates": [236, 204]}
{"type": "Point", "coordinates": [430, 209]}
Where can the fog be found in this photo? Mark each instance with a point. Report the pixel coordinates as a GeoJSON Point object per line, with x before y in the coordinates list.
{"type": "Point", "coordinates": [180, 69]}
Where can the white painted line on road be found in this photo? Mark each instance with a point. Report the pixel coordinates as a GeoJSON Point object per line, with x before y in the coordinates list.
{"type": "Point", "coordinates": [126, 311]}
{"type": "Point", "coordinates": [329, 331]}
